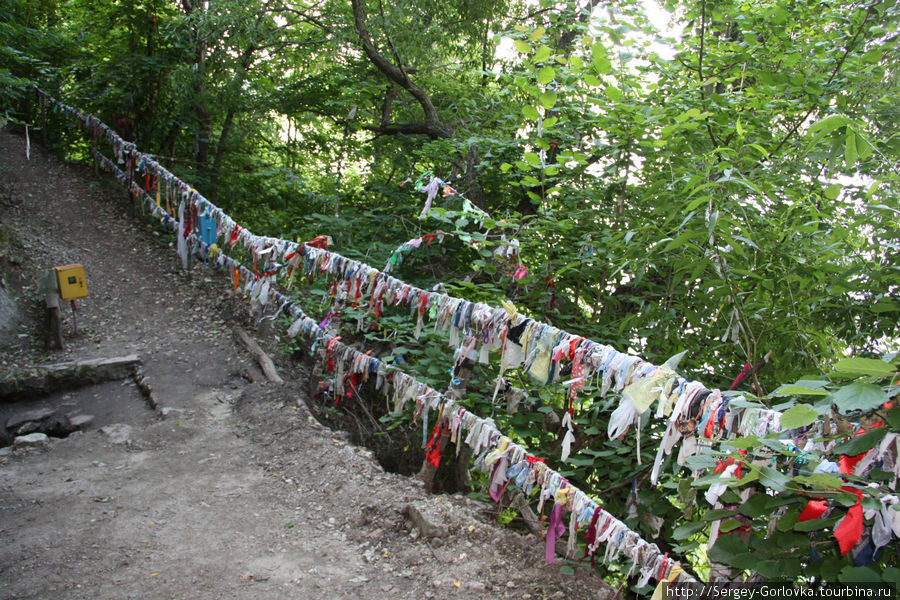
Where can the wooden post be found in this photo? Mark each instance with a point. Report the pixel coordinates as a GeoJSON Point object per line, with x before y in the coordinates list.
{"type": "Point", "coordinates": [49, 287]}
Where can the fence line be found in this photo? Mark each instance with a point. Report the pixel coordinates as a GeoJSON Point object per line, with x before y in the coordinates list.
{"type": "Point", "coordinates": [540, 348]}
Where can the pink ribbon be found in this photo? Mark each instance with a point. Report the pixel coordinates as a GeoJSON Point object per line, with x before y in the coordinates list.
{"type": "Point", "coordinates": [554, 532]}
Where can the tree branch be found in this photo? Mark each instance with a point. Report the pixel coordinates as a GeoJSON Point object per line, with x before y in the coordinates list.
{"type": "Point", "coordinates": [432, 125]}
{"type": "Point", "coordinates": [403, 128]}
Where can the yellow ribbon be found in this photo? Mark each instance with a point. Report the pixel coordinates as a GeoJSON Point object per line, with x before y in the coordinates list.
{"type": "Point", "coordinates": [659, 592]}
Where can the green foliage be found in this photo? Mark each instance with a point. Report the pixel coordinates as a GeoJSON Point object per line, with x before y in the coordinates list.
{"type": "Point", "coordinates": [727, 186]}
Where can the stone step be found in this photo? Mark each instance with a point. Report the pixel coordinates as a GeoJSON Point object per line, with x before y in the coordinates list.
{"type": "Point", "coordinates": [37, 381]}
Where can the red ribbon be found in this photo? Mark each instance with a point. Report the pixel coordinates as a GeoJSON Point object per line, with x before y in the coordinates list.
{"type": "Point", "coordinates": [320, 242]}
{"type": "Point", "coordinates": [814, 509]}
{"type": "Point", "coordinates": [329, 350]}
{"type": "Point", "coordinates": [723, 464]}
{"type": "Point", "coordinates": [433, 449]}
{"type": "Point", "coordinates": [235, 233]}
{"type": "Point", "coordinates": [850, 529]}
{"type": "Point", "coordinates": [737, 380]}
{"type": "Point", "coordinates": [591, 534]}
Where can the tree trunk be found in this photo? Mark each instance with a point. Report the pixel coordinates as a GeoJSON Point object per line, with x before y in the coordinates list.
{"type": "Point", "coordinates": [462, 373]}
{"type": "Point", "coordinates": [237, 82]}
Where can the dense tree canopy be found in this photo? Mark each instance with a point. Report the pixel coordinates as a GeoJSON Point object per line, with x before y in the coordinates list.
{"type": "Point", "coordinates": [715, 176]}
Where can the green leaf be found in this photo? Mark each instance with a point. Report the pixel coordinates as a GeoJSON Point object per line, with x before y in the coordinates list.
{"type": "Point", "coordinates": [532, 158]}
{"type": "Point", "coordinates": [680, 241]}
{"type": "Point", "coordinates": [850, 153]}
{"type": "Point", "coordinates": [891, 575]}
{"type": "Point", "coordinates": [858, 575]}
{"type": "Point", "coordinates": [727, 549]}
{"type": "Point", "coordinates": [828, 124]}
{"type": "Point", "coordinates": [530, 112]}
{"type": "Point", "coordinates": [592, 81]}
{"type": "Point", "coordinates": [546, 75]}
{"type": "Point", "coordinates": [864, 366]}
{"type": "Point", "coordinates": [833, 191]}
{"type": "Point", "coordinates": [798, 390]}
{"type": "Point", "coordinates": [761, 150]}
{"type": "Point", "coordinates": [542, 54]}
{"type": "Point", "coordinates": [813, 524]}
{"type": "Point", "coordinates": [743, 443]}
{"type": "Point", "coordinates": [893, 418]}
{"type": "Point", "coordinates": [755, 506]}
{"type": "Point", "coordinates": [718, 513]}
{"type": "Point", "coordinates": [600, 59]}
{"type": "Point", "coordinates": [522, 46]}
{"type": "Point", "coordinates": [861, 443]}
{"type": "Point", "coordinates": [819, 481]}
{"type": "Point", "coordinates": [729, 525]}
{"type": "Point", "coordinates": [859, 395]}
{"type": "Point", "coordinates": [772, 479]}
{"type": "Point", "coordinates": [798, 416]}
{"type": "Point", "coordinates": [505, 167]}
{"type": "Point", "coordinates": [614, 93]}
{"type": "Point", "coordinates": [787, 522]}
{"type": "Point", "coordinates": [864, 148]}
{"type": "Point", "coordinates": [685, 531]}
{"type": "Point", "coordinates": [550, 122]}
{"type": "Point", "coordinates": [874, 55]}
{"type": "Point", "coordinates": [740, 129]}
{"type": "Point", "coordinates": [548, 99]}
{"type": "Point", "coordinates": [537, 34]}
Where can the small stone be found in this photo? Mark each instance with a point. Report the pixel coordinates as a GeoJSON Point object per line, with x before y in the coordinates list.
{"type": "Point", "coordinates": [29, 427]}
{"type": "Point", "coordinates": [79, 421]}
{"type": "Point", "coordinates": [32, 439]}
{"type": "Point", "coordinates": [118, 433]}
{"type": "Point", "coordinates": [169, 411]}
{"type": "Point", "coordinates": [476, 586]}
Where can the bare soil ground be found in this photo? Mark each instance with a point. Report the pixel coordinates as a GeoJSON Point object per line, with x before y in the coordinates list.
{"type": "Point", "coordinates": [239, 492]}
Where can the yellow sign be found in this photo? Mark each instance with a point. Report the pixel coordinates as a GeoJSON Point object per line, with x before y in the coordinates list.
{"type": "Point", "coordinates": [71, 282]}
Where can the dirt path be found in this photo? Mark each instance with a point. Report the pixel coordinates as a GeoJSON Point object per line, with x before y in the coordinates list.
{"type": "Point", "coordinates": [238, 492]}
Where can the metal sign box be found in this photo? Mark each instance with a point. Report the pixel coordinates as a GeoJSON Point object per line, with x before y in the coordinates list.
{"type": "Point", "coordinates": [71, 282]}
